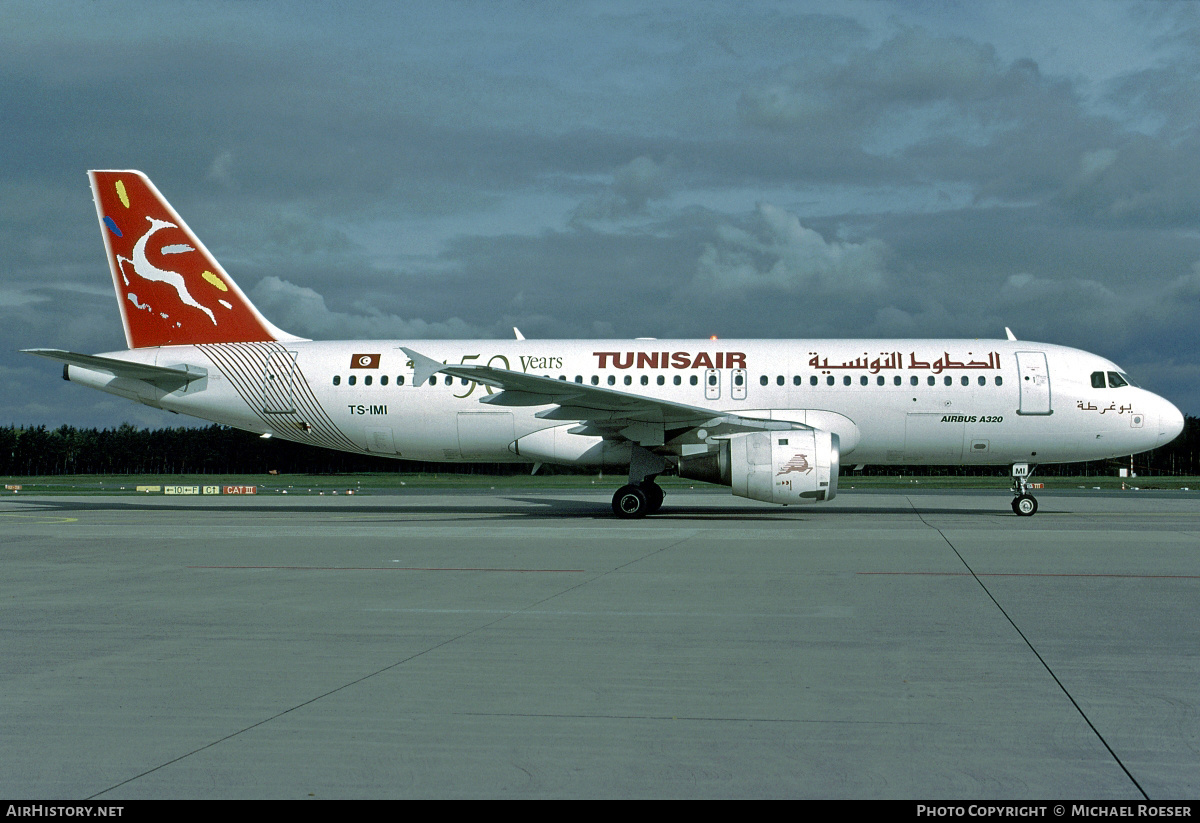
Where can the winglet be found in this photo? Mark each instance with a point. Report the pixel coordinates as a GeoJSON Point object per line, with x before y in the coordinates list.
{"type": "Point", "coordinates": [423, 367]}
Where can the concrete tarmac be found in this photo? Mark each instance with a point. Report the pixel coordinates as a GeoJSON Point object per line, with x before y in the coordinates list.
{"type": "Point", "coordinates": [528, 644]}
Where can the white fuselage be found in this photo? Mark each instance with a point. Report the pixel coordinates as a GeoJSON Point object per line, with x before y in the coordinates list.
{"type": "Point", "coordinates": [971, 402]}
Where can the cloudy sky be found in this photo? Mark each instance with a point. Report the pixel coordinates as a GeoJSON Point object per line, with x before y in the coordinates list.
{"type": "Point", "coordinates": [616, 169]}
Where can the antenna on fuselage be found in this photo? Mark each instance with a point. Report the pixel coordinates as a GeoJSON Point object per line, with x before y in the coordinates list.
{"type": "Point", "coordinates": [1008, 332]}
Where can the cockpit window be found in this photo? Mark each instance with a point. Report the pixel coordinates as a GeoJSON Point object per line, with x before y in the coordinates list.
{"type": "Point", "coordinates": [1115, 380]}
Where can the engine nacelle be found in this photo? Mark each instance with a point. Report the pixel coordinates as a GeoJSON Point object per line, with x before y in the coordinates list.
{"type": "Point", "coordinates": [793, 466]}
{"type": "Point", "coordinates": [798, 466]}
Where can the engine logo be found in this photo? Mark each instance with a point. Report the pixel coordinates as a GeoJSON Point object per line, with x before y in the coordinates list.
{"type": "Point", "coordinates": [798, 463]}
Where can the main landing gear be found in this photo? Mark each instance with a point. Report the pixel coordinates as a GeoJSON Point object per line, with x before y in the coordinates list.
{"type": "Point", "coordinates": [1024, 504]}
{"type": "Point", "coordinates": [641, 496]}
{"type": "Point", "coordinates": [637, 499]}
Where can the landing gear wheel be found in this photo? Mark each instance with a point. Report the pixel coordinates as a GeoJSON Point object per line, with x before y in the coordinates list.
{"type": "Point", "coordinates": [654, 496]}
{"type": "Point", "coordinates": [1024, 505]}
{"type": "Point", "coordinates": [630, 502]}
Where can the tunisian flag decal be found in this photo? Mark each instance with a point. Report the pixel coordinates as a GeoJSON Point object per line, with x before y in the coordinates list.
{"type": "Point", "coordinates": [364, 361]}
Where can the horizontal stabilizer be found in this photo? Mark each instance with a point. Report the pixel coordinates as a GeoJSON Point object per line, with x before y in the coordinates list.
{"type": "Point", "coordinates": [165, 376]}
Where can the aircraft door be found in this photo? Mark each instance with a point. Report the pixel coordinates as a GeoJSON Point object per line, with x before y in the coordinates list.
{"type": "Point", "coordinates": [485, 434]}
{"type": "Point", "coordinates": [380, 440]}
{"type": "Point", "coordinates": [712, 384]}
{"type": "Point", "coordinates": [1034, 374]}
{"type": "Point", "coordinates": [737, 384]}
{"type": "Point", "coordinates": [277, 390]}
{"type": "Point", "coordinates": [930, 438]}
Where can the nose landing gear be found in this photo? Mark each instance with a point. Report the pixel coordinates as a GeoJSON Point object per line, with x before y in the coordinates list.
{"type": "Point", "coordinates": [1024, 504]}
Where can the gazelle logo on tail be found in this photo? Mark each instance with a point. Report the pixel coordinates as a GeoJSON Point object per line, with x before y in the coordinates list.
{"type": "Point", "coordinates": [170, 288]}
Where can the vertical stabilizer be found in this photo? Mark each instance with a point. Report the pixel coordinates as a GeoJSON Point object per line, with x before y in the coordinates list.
{"type": "Point", "coordinates": [170, 289]}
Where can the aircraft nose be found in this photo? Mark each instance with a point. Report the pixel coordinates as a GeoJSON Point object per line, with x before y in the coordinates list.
{"type": "Point", "coordinates": [1170, 422]}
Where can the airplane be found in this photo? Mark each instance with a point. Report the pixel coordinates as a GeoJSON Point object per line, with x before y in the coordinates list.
{"type": "Point", "coordinates": [771, 419]}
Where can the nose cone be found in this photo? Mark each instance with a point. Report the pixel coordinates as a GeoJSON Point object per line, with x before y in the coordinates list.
{"type": "Point", "coordinates": [1170, 422]}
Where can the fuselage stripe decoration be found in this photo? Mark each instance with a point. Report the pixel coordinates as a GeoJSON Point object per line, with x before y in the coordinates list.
{"type": "Point", "coordinates": [286, 406]}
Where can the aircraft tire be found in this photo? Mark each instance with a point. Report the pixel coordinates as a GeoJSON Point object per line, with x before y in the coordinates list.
{"type": "Point", "coordinates": [1025, 505]}
{"type": "Point", "coordinates": [630, 502]}
{"type": "Point", "coordinates": [654, 496]}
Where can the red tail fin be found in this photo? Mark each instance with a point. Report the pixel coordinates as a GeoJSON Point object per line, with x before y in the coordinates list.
{"type": "Point", "coordinates": [170, 289]}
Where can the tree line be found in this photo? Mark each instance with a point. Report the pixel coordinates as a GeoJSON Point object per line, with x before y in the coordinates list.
{"type": "Point", "coordinates": [37, 450]}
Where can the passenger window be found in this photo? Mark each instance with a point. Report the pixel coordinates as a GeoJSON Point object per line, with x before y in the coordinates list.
{"type": "Point", "coordinates": [695, 380]}
{"type": "Point", "coordinates": [999, 381]}
{"type": "Point", "coordinates": [662, 380]}
{"type": "Point", "coordinates": [645, 380]}
{"type": "Point", "coordinates": [983, 381]}
{"type": "Point", "coordinates": [628, 380]}
{"type": "Point", "coordinates": [1097, 380]}
{"type": "Point", "coordinates": [337, 380]}
{"type": "Point", "coordinates": [846, 380]}
{"type": "Point", "coordinates": [897, 380]}
{"type": "Point", "coordinates": [712, 380]}
{"type": "Point", "coordinates": [738, 379]}
{"type": "Point", "coordinates": [1115, 380]}
{"type": "Point", "coordinates": [948, 380]}
{"type": "Point", "coordinates": [612, 380]}
{"type": "Point", "coordinates": [367, 380]}
{"type": "Point", "coordinates": [812, 381]}
{"type": "Point", "coordinates": [862, 381]}
{"type": "Point", "coordinates": [913, 380]}
{"type": "Point", "coordinates": [579, 378]}
{"type": "Point", "coordinates": [400, 380]}
{"type": "Point", "coordinates": [383, 379]}
{"type": "Point", "coordinates": [595, 380]}
{"type": "Point", "coordinates": [829, 380]}
{"type": "Point", "coordinates": [779, 380]}
{"type": "Point", "coordinates": [762, 381]}
{"type": "Point", "coordinates": [879, 380]}
{"type": "Point", "coordinates": [796, 381]}
{"type": "Point", "coordinates": [678, 380]}
{"type": "Point", "coordinates": [932, 380]}
{"type": "Point", "coordinates": [353, 379]}
{"type": "Point", "coordinates": [966, 381]}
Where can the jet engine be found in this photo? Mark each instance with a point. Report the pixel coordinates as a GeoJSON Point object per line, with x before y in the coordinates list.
{"type": "Point", "coordinates": [793, 466]}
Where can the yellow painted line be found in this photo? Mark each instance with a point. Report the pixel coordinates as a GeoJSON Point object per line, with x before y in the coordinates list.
{"type": "Point", "coordinates": [41, 518]}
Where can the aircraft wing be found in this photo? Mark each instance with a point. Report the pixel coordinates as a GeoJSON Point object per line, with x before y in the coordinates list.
{"type": "Point", "coordinates": [604, 411]}
{"type": "Point", "coordinates": [165, 376]}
